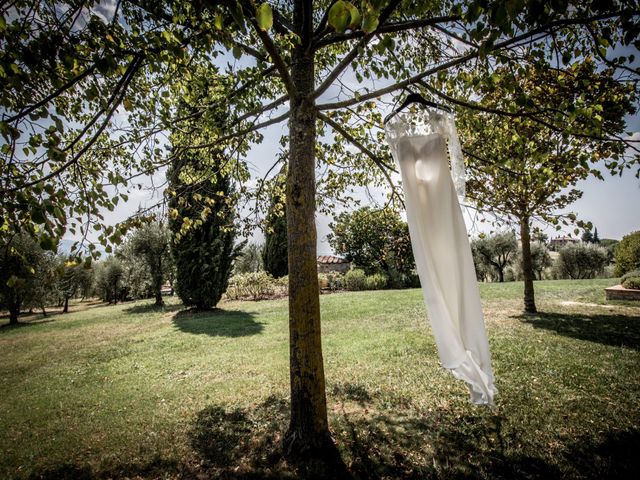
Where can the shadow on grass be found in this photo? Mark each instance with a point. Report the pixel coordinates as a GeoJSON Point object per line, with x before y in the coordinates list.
{"type": "Point", "coordinates": [28, 323]}
{"type": "Point", "coordinates": [404, 444]}
{"type": "Point", "coordinates": [616, 330]}
{"type": "Point", "coordinates": [217, 323]}
{"type": "Point", "coordinates": [152, 307]}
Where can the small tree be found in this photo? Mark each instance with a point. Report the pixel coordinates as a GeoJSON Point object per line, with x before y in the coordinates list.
{"type": "Point", "coordinates": [540, 260]}
{"type": "Point", "coordinates": [22, 267]}
{"type": "Point", "coordinates": [202, 225]}
{"type": "Point", "coordinates": [581, 261]}
{"type": "Point", "coordinates": [497, 252]}
{"type": "Point", "coordinates": [611, 245]}
{"type": "Point", "coordinates": [151, 242]}
{"type": "Point", "coordinates": [587, 237]}
{"type": "Point", "coordinates": [628, 254]}
{"type": "Point", "coordinates": [249, 260]}
{"type": "Point", "coordinates": [275, 253]}
{"type": "Point", "coordinates": [72, 278]}
{"type": "Point", "coordinates": [108, 284]}
{"type": "Point", "coordinates": [376, 240]}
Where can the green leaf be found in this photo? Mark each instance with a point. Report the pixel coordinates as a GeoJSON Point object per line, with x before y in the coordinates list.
{"type": "Point", "coordinates": [370, 22]}
{"type": "Point", "coordinates": [218, 22]}
{"type": "Point", "coordinates": [237, 52]}
{"type": "Point", "coordinates": [264, 16]}
{"type": "Point", "coordinates": [339, 16]}
{"type": "Point", "coordinates": [356, 18]}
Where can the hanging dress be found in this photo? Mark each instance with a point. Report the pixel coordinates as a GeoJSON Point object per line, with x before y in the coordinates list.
{"type": "Point", "coordinates": [419, 144]}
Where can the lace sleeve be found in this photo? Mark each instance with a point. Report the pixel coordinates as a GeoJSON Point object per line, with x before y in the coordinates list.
{"type": "Point", "coordinates": [455, 155]}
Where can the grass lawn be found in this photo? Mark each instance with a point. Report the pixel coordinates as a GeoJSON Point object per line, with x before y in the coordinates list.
{"type": "Point", "coordinates": [135, 391]}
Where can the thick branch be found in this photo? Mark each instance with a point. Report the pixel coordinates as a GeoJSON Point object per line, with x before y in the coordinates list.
{"type": "Point", "coordinates": [393, 27]}
{"type": "Point", "coordinates": [276, 58]}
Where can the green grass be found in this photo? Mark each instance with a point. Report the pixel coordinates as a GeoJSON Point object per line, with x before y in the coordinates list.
{"type": "Point", "coordinates": [135, 391]}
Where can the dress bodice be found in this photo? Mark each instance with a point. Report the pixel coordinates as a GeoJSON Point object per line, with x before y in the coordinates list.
{"type": "Point", "coordinates": [424, 123]}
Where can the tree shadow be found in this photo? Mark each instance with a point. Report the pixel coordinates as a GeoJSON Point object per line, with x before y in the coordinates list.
{"type": "Point", "coordinates": [218, 323]}
{"type": "Point", "coordinates": [615, 330]}
{"type": "Point", "coordinates": [152, 307]}
{"type": "Point", "coordinates": [25, 323]}
{"type": "Point", "coordinates": [246, 443]}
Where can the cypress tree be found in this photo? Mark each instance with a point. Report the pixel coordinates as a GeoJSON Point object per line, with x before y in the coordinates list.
{"type": "Point", "coordinates": [201, 221]}
{"type": "Point", "coordinates": [274, 253]}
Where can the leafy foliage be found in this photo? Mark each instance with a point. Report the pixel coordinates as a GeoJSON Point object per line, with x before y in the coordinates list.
{"type": "Point", "coordinates": [628, 254]}
{"type": "Point", "coordinates": [374, 240]}
{"type": "Point", "coordinates": [255, 286]}
{"type": "Point", "coordinates": [495, 253]}
{"type": "Point", "coordinates": [632, 283]}
{"type": "Point", "coordinates": [25, 271]}
{"type": "Point", "coordinates": [275, 252]}
{"type": "Point", "coordinates": [109, 280]}
{"type": "Point", "coordinates": [151, 242]}
{"type": "Point", "coordinates": [355, 279]}
{"type": "Point", "coordinates": [202, 225]}
{"type": "Point", "coordinates": [249, 260]}
{"type": "Point", "coordinates": [580, 261]}
{"type": "Point", "coordinates": [540, 260]}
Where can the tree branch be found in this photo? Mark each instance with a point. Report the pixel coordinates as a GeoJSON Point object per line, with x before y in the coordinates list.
{"type": "Point", "coordinates": [465, 58]}
{"type": "Point", "coordinates": [126, 80]}
{"type": "Point", "coordinates": [350, 138]}
{"type": "Point", "coordinates": [27, 110]}
{"type": "Point", "coordinates": [393, 27]}
{"type": "Point", "coordinates": [272, 50]}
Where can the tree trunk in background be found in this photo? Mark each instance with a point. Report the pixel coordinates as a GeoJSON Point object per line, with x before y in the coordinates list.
{"type": "Point", "coordinates": [14, 310]}
{"type": "Point", "coordinates": [66, 305]}
{"type": "Point", "coordinates": [527, 267]}
{"type": "Point", "coordinates": [308, 432]}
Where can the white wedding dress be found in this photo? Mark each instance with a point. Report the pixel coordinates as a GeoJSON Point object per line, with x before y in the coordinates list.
{"type": "Point", "coordinates": [440, 245]}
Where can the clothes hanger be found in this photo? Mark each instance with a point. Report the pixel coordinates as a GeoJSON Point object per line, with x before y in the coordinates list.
{"type": "Point", "coordinates": [416, 98]}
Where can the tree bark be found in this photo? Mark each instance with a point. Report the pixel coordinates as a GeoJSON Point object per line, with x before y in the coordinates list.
{"type": "Point", "coordinates": [157, 282]}
{"type": "Point", "coordinates": [527, 266]}
{"type": "Point", "coordinates": [308, 432]}
{"type": "Point", "coordinates": [501, 275]}
{"type": "Point", "coordinates": [66, 305]}
{"type": "Point", "coordinates": [14, 311]}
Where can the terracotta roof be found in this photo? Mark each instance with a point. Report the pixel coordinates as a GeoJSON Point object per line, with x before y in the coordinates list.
{"type": "Point", "coordinates": [331, 259]}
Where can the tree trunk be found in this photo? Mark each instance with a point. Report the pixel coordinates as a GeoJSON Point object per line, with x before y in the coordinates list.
{"type": "Point", "coordinates": [308, 432]}
{"type": "Point", "coordinates": [14, 311]}
{"type": "Point", "coordinates": [66, 305]}
{"type": "Point", "coordinates": [527, 267]}
{"type": "Point", "coordinates": [157, 282]}
{"type": "Point", "coordinates": [501, 275]}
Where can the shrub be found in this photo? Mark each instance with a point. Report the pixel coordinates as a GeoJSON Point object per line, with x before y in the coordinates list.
{"type": "Point", "coordinates": [632, 282]}
{"type": "Point", "coordinates": [628, 253]}
{"type": "Point", "coordinates": [632, 273]}
{"type": "Point", "coordinates": [254, 286]}
{"type": "Point", "coordinates": [403, 280]}
{"type": "Point", "coordinates": [355, 279]}
{"type": "Point", "coordinates": [579, 261]}
{"type": "Point", "coordinates": [377, 281]}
